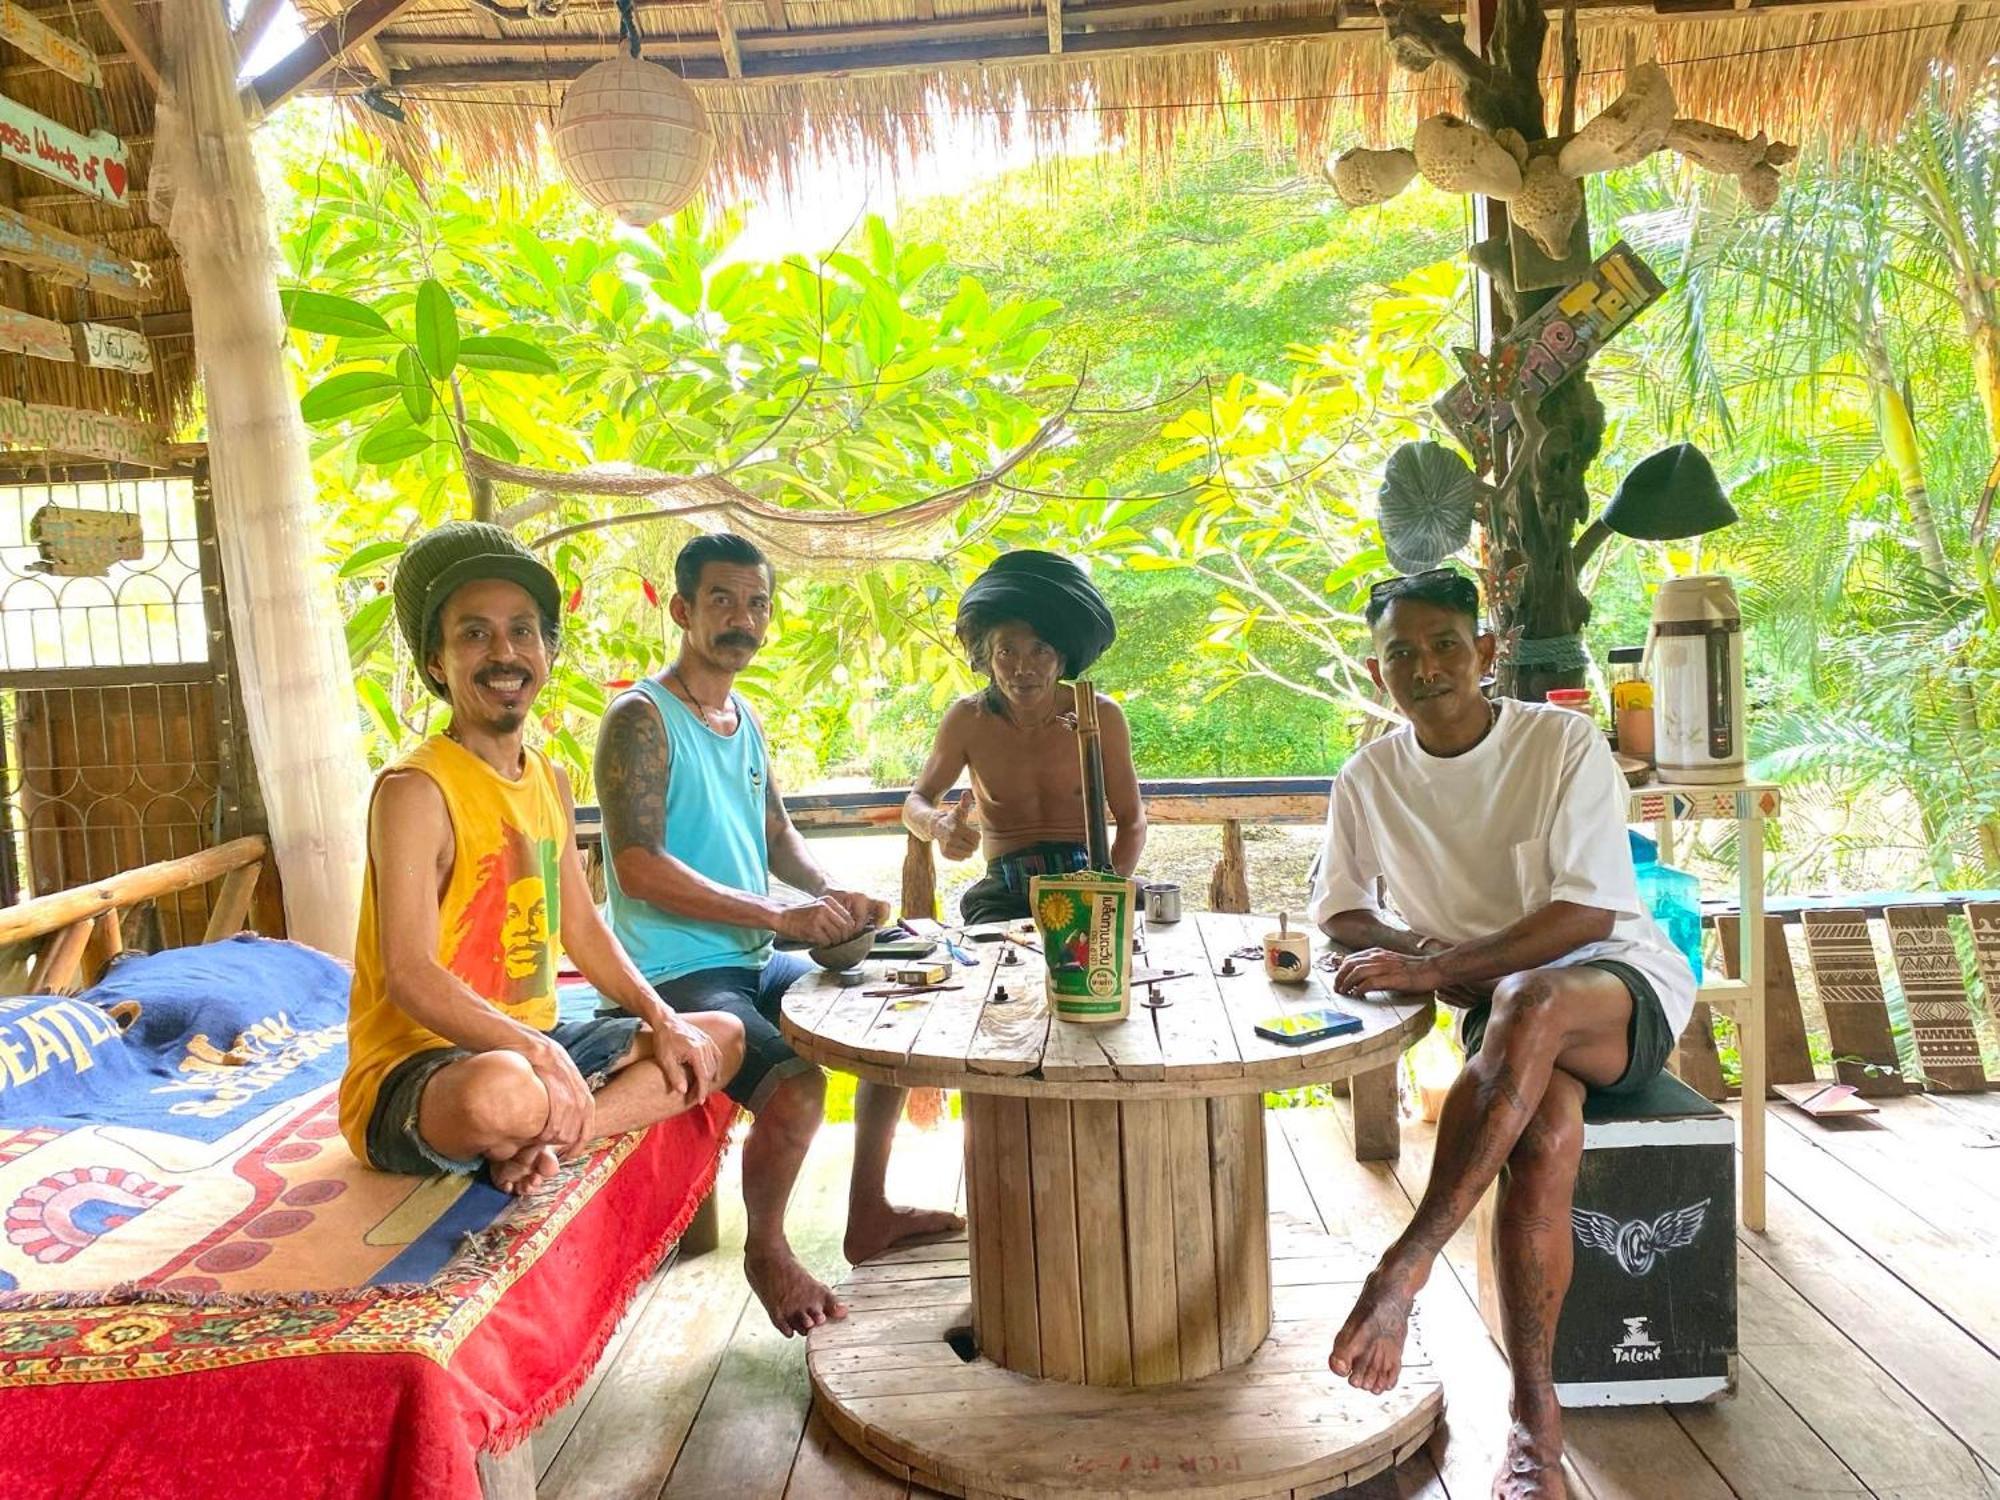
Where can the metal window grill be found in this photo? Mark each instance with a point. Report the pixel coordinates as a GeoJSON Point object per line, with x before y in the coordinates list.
{"type": "Point", "coordinates": [116, 721]}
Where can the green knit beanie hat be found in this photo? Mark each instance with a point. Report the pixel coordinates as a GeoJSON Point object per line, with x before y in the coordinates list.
{"type": "Point", "coordinates": [457, 553]}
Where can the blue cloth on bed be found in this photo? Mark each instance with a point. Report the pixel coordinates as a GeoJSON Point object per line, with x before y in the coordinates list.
{"type": "Point", "coordinates": [224, 1031]}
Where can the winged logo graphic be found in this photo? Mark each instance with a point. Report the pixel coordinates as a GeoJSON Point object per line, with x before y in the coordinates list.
{"type": "Point", "coordinates": [1637, 1244]}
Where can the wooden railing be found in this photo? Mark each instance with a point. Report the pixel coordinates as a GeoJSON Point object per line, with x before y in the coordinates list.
{"type": "Point", "coordinates": [1228, 802]}
{"type": "Point", "coordinates": [58, 943]}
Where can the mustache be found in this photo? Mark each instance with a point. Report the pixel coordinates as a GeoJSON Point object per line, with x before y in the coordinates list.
{"type": "Point", "coordinates": [738, 638]}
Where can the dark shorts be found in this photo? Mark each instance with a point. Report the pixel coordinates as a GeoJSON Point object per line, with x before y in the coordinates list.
{"type": "Point", "coordinates": [1001, 894]}
{"type": "Point", "coordinates": [1649, 1041]}
{"type": "Point", "coordinates": [396, 1145]}
{"type": "Point", "coordinates": [753, 997]}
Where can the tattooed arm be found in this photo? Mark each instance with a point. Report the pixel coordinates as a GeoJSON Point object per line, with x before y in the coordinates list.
{"type": "Point", "coordinates": [634, 761]}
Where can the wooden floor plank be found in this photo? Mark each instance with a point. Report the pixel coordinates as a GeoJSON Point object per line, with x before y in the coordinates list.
{"type": "Point", "coordinates": [1761, 1447]}
{"type": "Point", "coordinates": [827, 1469]}
{"type": "Point", "coordinates": [757, 1402]}
{"type": "Point", "coordinates": [1948, 1371]}
{"type": "Point", "coordinates": [1957, 1275]}
{"type": "Point", "coordinates": [625, 1442]}
{"type": "Point", "coordinates": [1878, 1429]}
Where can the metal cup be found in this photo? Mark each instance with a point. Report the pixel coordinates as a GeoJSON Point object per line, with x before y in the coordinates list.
{"type": "Point", "coordinates": [1163, 902]}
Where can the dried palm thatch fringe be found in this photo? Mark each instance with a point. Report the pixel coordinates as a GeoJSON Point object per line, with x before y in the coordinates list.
{"type": "Point", "coordinates": [1826, 76]}
{"type": "Point", "coordinates": [808, 535]}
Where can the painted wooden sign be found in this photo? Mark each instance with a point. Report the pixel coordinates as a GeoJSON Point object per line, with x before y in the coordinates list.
{"type": "Point", "coordinates": [103, 347]}
{"type": "Point", "coordinates": [78, 543]}
{"type": "Point", "coordinates": [1555, 340]}
{"type": "Point", "coordinates": [71, 260]}
{"type": "Point", "coordinates": [88, 434]}
{"type": "Point", "coordinates": [40, 338]}
{"type": "Point", "coordinates": [92, 164]}
{"type": "Point", "coordinates": [65, 54]}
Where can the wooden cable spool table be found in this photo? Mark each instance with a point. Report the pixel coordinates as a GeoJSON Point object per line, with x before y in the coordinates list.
{"type": "Point", "coordinates": [1122, 1315]}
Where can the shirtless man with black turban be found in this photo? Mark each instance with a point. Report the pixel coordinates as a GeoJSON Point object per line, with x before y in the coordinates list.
{"type": "Point", "coordinates": [1031, 622]}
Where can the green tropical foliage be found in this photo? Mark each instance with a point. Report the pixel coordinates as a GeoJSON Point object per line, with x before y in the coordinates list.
{"type": "Point", "coordinates": [1191, 374]}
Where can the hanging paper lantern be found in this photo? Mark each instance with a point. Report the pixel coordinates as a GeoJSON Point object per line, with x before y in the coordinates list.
{"type": "Point", "coordinates": [634, 139]}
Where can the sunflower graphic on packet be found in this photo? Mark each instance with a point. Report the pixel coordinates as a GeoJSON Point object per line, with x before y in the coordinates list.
{"type": "Point", "coordinates": [1085, 923]}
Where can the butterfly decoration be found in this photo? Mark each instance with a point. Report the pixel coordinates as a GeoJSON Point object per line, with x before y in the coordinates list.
{"type": "Point", "coordinates": [1494, 377]}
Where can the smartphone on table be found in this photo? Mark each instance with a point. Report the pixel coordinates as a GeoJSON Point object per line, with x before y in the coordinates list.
{"type": "Point", "coordinates": [1305, 1026]}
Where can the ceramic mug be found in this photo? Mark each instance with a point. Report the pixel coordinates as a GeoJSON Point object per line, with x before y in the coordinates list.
{"type": "Point", "coordinates": [1288, 956]}
{"type": "Point", "coordinates": [1163, 902]}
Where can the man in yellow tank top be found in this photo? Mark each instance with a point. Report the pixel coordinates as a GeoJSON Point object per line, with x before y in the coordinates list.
{"type": "Point", "coordinates": [455, 1054]}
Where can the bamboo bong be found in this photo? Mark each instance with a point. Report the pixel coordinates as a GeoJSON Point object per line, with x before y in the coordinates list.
{"type": "Point", "coordinates": [1090, 754]}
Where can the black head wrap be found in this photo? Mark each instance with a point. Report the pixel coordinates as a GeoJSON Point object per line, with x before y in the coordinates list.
{"type": "Point", "coordinates": [1051, 595]}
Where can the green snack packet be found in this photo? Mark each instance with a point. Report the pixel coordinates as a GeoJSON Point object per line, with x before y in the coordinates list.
{"type": "Point", "coordinates": [1085, 922]}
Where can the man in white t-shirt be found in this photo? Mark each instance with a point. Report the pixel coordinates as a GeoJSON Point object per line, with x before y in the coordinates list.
{"type": "Point", "coordinates": [1498, 832]}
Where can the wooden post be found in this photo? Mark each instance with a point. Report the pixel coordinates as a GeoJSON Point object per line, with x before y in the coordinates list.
{"type": "Point", "coordinates": [1750, 1014]}
{"type": "Point", "coordinates": [919, 878]}
{"type": "Point", "coordinates": [291, 649]}
{"type": "Point", "coordinates": [1229, 885]}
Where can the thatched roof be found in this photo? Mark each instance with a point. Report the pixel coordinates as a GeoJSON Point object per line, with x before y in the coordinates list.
{"type": "Point", "coordinates": [866, 75]}
{"type": "Point", "coordinates": [124, 106]}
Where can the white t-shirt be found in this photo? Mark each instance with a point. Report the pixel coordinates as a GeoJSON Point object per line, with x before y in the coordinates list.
{"type": "Point", "coordinates": [1469, 844]}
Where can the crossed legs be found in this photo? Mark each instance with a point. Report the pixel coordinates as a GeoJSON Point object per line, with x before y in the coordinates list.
{"type": "Point", "coordinates": [1517, 1105]}
{"type": "Point", "coordinates": [491, 1104]}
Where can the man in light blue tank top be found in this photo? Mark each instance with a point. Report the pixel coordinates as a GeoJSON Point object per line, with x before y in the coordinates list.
{"type": "Point", "coordinates": [694, 829]}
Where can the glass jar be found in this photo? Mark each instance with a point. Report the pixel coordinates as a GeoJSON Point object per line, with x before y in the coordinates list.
{"type": "Point", "coordinates": [1631, 703]}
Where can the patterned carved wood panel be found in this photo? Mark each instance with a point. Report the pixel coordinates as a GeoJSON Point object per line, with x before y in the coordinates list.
{"type": "Point", "coordinates": [1850, 991]}
{"type": "Point", "coordinates": [1934, 989]}
{"type": "Point", "coordinates": [1984, 918]}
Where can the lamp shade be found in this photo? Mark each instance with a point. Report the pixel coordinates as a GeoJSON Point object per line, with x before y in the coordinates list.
{"type": "Point", "coordinates": [1670, 496]}
{"type": "Point", "coordinates": [634, 139]}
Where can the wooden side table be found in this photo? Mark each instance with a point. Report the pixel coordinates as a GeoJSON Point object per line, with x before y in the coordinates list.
{"type": "Point", "coordinates": [1113, 1306]}
{"type": "Point", "coordinates": [1748, 805]}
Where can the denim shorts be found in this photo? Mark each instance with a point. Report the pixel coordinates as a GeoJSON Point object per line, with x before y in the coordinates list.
{"type": "Point", "coordinates": [753, 996]}
{"type": "Point", "coordinates": [396, 1145]}
{"type": "Point", "coordinates": [1649, 1041]}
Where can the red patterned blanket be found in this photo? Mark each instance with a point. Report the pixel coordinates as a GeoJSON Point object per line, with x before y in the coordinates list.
{"type": "Point", "coordinates": [271, 1318]}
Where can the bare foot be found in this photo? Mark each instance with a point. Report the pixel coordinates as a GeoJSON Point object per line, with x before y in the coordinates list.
{"type": "Point", "coordinates": [525, 1171]}
{"type": "Point", "coordinates": [872, 1230]}
{"type": "Point", "coordinates": [796, 1300]}
{"type": "Point", "coordinates": [1533, 1470]}
{"type": "Point", "coordinates": [1368, 1350]}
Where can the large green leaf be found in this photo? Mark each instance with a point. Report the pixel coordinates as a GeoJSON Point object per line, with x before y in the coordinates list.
{"type": "Point", "coordinates": [490, 437]}
{"type": "Point", "coordinates": [418, 397]}
{"type": "Point", "coordinates": [344, 394]}
{"type": "Point", "coordinates": [361, 559]}
{"type": "Point", "coordinates": [387, 446]}
{"type": "Point", "coordinates": [365, 627]}
{"type": "Point", "coordinates": [437, 330]}
{"type": "Point", "coordinates": [328, 312]}
{"type": "Point", "coordinates": [491, 351]}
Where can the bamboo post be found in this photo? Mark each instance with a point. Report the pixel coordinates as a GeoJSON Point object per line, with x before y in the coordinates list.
{"type": "Point", "coordinates": [296, 678]}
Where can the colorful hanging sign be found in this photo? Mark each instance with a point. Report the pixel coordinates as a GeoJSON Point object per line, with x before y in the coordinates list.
{"type": "Point", "coordinates": [66, 55]}
{"type": "Point", "coordinates": [39, 338]}
{"type": "Point", "coordinates": [77, 543]}
{"type": "Point", "coordinates": [71, 260]}
{"type": "Point", "coordinates": [1556, 339]}
{"type": "Point", "coordinates": [103, 347]}
{"type": "Point", "coordinates": [93, 164]}
{"type": "Point", "coordinates": [87, 434]}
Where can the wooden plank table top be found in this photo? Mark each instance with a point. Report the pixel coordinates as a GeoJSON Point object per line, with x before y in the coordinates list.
{"type": "Point", "coordinates": [994, 1034]}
